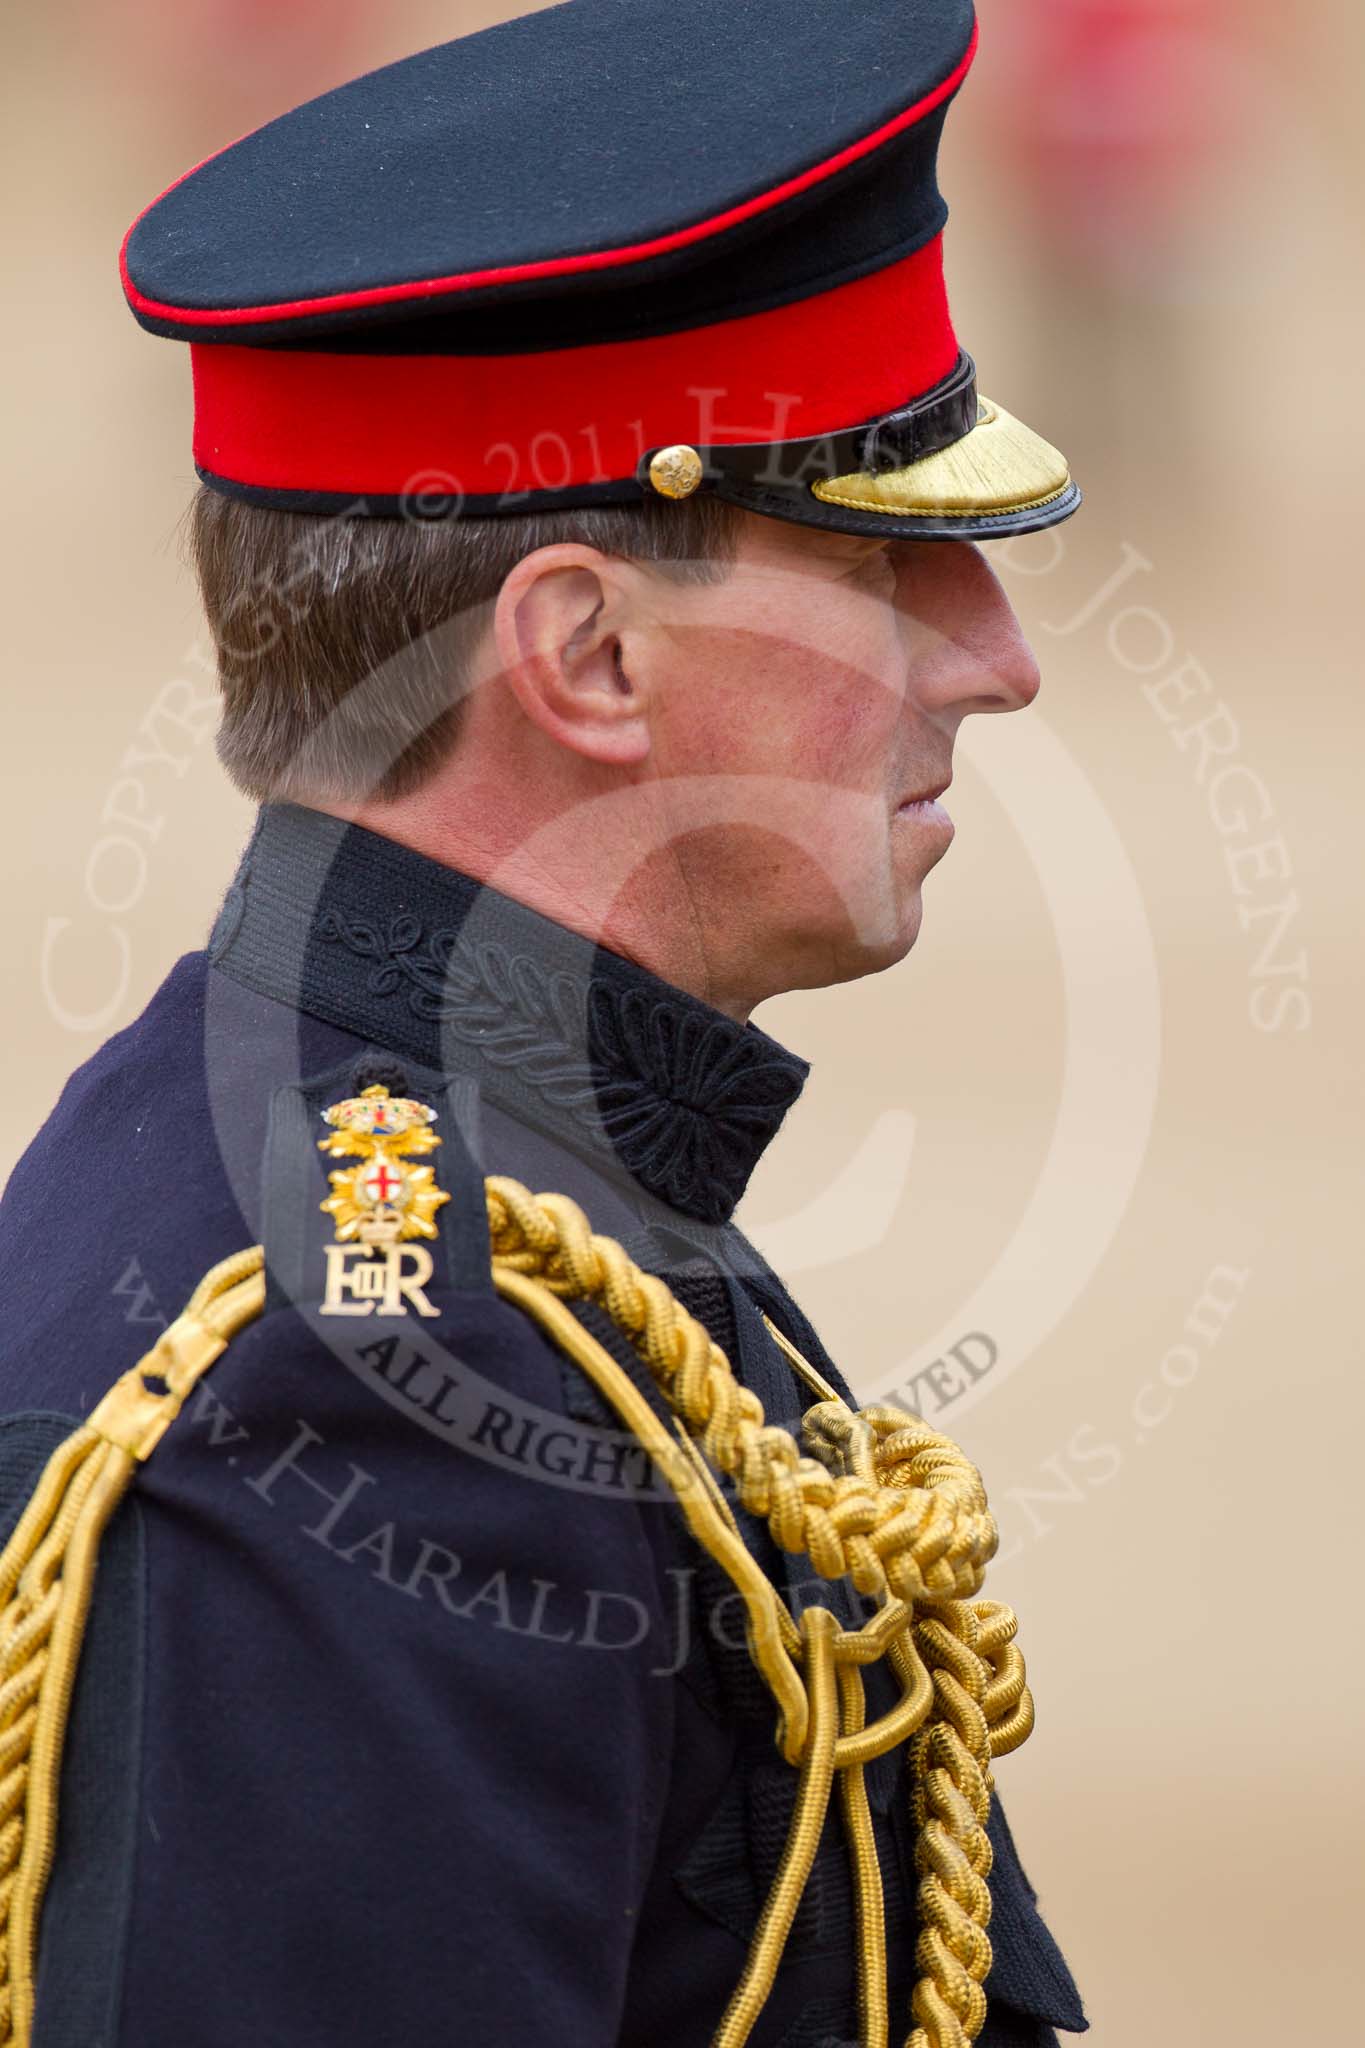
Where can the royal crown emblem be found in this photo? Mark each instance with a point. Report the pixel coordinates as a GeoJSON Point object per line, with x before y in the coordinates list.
{"type": "Point", "coordinates": [385, 1197]}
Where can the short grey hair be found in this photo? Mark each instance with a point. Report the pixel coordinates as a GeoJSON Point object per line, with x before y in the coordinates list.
{"type": "Point", "coordinates": [342, 642]}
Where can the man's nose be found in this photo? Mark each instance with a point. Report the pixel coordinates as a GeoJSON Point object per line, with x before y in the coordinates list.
{"type": "Point", "coordinates": [974, 656]}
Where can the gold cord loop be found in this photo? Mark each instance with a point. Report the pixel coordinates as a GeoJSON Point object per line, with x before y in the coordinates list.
{"type": "Point", "coordinates": [877, 1497]}
{"type": "Point", "coordinates": [47, 1571]}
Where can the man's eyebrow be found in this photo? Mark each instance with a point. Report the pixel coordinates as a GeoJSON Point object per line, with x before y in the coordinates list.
{"type": "Point", "coordinates": [851, 546]}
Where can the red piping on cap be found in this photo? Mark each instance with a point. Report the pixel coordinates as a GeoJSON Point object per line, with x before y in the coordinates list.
{"type": "Point", "coordinates": [555, 266]}
{"type": "Point", "coordinates": [399, 425]}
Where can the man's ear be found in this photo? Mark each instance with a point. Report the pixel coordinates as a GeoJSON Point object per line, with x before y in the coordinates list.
{"type": "Point", "coordinates": [557, 626]}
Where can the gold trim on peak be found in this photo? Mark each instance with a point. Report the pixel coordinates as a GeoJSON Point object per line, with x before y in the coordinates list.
{"type": "Point", "coordinates": [1001, 466]}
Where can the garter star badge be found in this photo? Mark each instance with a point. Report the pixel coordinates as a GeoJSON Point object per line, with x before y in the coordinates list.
{"type": "Point", "coordinates": [379, 1204]}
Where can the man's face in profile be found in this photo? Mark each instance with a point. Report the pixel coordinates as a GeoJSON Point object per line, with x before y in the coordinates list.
{"type": "Point", "coordinates": [804, 714]}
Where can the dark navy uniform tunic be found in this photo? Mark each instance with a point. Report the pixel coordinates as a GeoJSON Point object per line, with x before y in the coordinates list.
{"type": "Point", "coordinates": [410, 1712]}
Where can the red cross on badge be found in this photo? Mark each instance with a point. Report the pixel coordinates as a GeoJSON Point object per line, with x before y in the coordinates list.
{"type": "Point", "coordinates": [382, 1183]}
{"type": "Point", "coordinates": [385, 1198]}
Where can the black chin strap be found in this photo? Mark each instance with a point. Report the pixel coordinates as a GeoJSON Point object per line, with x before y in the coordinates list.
{"type": "Point", "coordinates": [931, 423]}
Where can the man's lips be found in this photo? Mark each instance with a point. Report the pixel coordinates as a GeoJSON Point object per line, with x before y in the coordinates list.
{"type": "Point", "coordinates": [930, 795]}
{"type": "Point", "coordinates": [926, 813]}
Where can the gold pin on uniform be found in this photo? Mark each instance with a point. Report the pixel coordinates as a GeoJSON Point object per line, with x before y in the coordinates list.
{"type": "Point", "coordinates": [380, 1204]}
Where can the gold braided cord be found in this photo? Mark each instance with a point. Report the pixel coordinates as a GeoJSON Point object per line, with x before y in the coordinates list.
{"type": "Point", "coordinates": [47, 1573]}
{"type": "Point", "coordinates": [873, 2012]}
{"type": "Point", "coordinates": [818, 1632]}
{"type": "Point", "coordinates": [877, 1497]}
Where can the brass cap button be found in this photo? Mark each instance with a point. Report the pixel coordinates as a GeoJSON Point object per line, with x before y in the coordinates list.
{"type": "Point", "coordinates": [676, 472]}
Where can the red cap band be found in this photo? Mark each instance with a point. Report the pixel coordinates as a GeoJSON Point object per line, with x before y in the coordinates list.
{"type": "Point", "coordinates": [401, 426]}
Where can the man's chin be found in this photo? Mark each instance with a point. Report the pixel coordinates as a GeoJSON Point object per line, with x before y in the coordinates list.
{"type": "Point", "coordinates": [886, 939]}
{"type": "Point", "coordinates": [898, 944]}
{"type": "Point", "coordinates": [852, 956]}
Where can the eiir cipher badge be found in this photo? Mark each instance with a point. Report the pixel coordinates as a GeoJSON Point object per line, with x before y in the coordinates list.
{"type": "Point", "coordinates": [380, 1204]}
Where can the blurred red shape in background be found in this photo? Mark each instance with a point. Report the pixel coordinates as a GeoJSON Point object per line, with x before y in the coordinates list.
{"type": "Point", "coordinates": [241, 61]}
{"type": "Point", "coordinates": [1122, 111]}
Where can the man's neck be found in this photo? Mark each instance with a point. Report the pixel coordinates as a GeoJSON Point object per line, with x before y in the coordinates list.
{"type": "Point", "coordinates": [589, 872]}
{"type": "Point", "coordinates": [421, 961]}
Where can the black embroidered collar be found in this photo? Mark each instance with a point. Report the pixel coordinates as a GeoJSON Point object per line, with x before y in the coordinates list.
{"type": "Point", "coordinates": [419, 958]}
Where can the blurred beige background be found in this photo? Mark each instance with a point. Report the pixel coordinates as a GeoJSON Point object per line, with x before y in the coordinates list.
{"type": "Point", "coordinates": [1103, 1130]}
